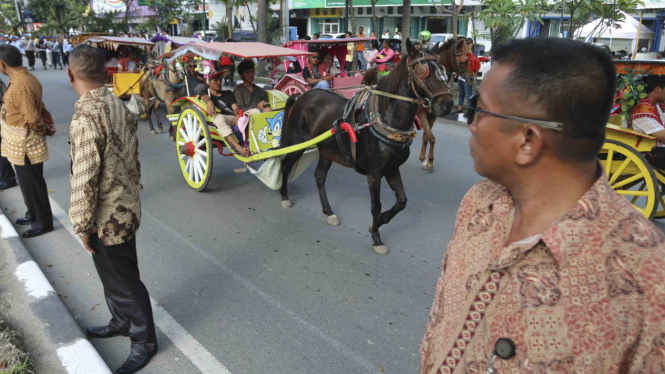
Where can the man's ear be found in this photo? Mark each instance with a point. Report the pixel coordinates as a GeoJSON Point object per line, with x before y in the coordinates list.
{"type": "Point", "coordinates": [530, 141]}
{"type": "Point", "coordinates": [70, 74]}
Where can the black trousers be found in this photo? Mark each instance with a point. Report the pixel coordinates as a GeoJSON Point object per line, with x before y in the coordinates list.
{"type": "Point", "coordinates": [31, 58]}
{"type": "Point", "coordinates": [42, 56]}
{"type": "Point", "coordinates": [56, 59]}
{"type": "Point", "coordinates": [35, 194]}
{"type": "Point", "coordinates": [65, 59]}
{"type": "Point", "coordinates": [6, 170]}
{"type": "Point", "coordinates": [126, 296]}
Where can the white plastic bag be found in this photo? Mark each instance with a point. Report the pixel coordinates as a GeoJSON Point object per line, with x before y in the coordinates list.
{"type": "Point", "coordinates": [135, 105]}
{"type": "Point", "coordinates": [270, 173]}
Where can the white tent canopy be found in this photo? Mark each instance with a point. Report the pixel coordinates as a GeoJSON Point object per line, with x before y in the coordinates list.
{"type": "Point", "coordinates": [624, 29]}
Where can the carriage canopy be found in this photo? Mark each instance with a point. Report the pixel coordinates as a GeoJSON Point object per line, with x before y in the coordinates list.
{"type": "Point", "coordinates": [214, 51]}
{"type": "Point", "coordinates": [335, 46]}
{"type": "Point", "coordinates": [115, 42]}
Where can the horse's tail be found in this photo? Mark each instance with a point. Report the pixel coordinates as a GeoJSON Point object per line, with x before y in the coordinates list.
{"type": "Point", "coordinates": [287, 108]}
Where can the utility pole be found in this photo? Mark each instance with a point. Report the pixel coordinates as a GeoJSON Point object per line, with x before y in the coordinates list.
{"type": "Point", "coordinates": [205, 17]}
{"type": "Point", "coordinates": [285, 22]}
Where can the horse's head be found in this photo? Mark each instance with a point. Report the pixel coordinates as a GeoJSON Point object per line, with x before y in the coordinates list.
{"type": "Point", "coordinates": [175, 73]}
{"type": "Point", "coordinates": [453, 55]}
{"type": "Point", "coordinates": [428, 80]}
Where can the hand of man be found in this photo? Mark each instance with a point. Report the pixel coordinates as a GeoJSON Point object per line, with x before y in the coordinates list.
{"type": "Point", "coordinates": [235, 120]}
{"type": "Point", "coordinates": [328, 78]}
{"type": "Point", "coordinates": [210, 108]}
{"type": "Point", "coordinates": [86, 243]}
{"type": "Point", "coordinates": [261, 104]}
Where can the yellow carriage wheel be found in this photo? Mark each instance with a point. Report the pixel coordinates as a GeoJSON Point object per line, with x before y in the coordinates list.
{"type": "Point", "coordinates": [194, 148]}
{"type": "Point", "coordinates": [631, 176]}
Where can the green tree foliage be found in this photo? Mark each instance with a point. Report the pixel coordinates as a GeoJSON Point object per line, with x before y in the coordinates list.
{"type": "Point", "coordinates": [580, 11]}
{"type": "Point", "coordinates": [9, 21]}
{"type": "Point", "coordinates": [167, 10]}
{"type": "Point", "coordinates": [58, 16]}
{"type": "Point", "coordinates": [505, 18]}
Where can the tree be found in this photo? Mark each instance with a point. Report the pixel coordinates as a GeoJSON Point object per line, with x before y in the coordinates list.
{"type": "Point", "coordinates": [581, 11]}
{"type": "Point", "coordinates": [167, 10]}
{"type": "Point", "coordinates": [454, 11]}
{"type": "Point", "coordinates": [9, 19]}
{"type": "Point", "coordinates": [354, 61]}
{"type": "Point", "coordinates": [228, 4]}
{"type": "Point", "coordinates": [58, 16]}
{"type": "Point", "coordinates": [261, 15]}
{"type": "Point", "coordinates": [374, 20]}
{"type": "Point", "coordinates": [505, 18]}
{"type": "Point", "coordinates": [406, 23]}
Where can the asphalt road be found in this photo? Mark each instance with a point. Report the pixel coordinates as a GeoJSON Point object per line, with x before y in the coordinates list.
{"type": "Point", "coordinates": [261, 288]}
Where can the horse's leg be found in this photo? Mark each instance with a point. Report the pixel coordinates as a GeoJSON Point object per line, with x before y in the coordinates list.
{"type": "Point", "coordinates": [394, 179]}
{"type": "Point", "coordinates": [374, 182]}
{"type": "Point", "coordinates": [155, 107]}
{"type": "Point", "coordinates": [288, 163]}
{"type": "Point", "coordinates": [427, 135]}
{"type": "Point", "coordinates": [432, 141]}
{"type": "Point", "coordinates": [171, 110]}
{"type": "Point", "coordinates": [320, 175]}
{"type": "Point", "coordinates": [148, 110]}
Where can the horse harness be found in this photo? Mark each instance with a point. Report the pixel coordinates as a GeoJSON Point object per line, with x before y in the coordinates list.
{"type": "Point", "coordinates": [163, 77]}
{"type": "Point", "coordinates": [368, 99]}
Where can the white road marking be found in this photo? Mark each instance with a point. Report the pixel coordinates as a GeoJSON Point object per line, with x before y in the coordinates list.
{"type": "Point", "coordinates": [186, 343]}
{"type": "Point", "coordinates": [34, 281]}
{"type": "Point", "coordinates": [82, 358]}
{"type": "Point", "coordinates": [8, 230]}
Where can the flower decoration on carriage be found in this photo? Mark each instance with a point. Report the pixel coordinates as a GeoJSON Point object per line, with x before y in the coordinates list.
{"type": "Point", "coordinates": [273, 70]}
{"type": "Point", "coordinates": [205, 67]}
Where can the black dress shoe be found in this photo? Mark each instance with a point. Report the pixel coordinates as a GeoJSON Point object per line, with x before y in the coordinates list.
{"type": "Point", "coordinates": [9, 184]}
{"type": "Point", "coordinates": [24, 221]}
{"type": "Point", "coordinates": [137, 360]}
{"type": "Point", "coordinates": [103, 332]}
{"type": "Point", "coordinates": [33, 233]}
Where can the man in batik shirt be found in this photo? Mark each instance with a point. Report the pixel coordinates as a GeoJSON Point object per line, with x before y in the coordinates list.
{"type": "Point", "coordinates": [648, 115]}
{"type": "Point", "coordinates": [548, 267]}
{"type": "Point", "coordinates": [105, 205]}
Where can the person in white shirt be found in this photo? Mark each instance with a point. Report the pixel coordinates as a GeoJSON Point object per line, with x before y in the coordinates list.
{"type": "Point", "coordinates": [386, 35]}
{"type": "Point", "coordinates": [66, 48]}
{"type": "Point", "coordinates": [648, 117]}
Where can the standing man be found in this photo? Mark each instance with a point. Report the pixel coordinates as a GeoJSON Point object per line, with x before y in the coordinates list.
{"type": "Point", "coordinates": [30, 50]}
{"type": "Point", "coordinates": [549, 270]}
{"type": "Point", "coordinates": [67, 47]}
{"type": "Point", "coordinates": [55, 52]}
{"type": "Point", "coordinates": [360, 49]}
{"type": "Point", "coordinates": [41, 49]}
{"type": "Point", "coordinates": [25, 124]}
{"type": "Point", "coordinates": [105, 206]}
{"type": "Point", "coordinates": [386, 35]}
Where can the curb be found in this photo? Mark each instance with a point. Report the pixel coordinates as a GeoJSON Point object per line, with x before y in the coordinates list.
{"type": "Point", "coordinates": [75, 352]}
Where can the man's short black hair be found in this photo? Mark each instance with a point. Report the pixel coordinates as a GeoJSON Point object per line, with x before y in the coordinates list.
{"type": "Point", "coordinates": [652, 82]}
{"type": "Point", "coordinates": [11, 56]}
{"type": "Point", "coordinates": [245, 66]}
{"type": "Point", "coordinates": [317, 35]}
{"type": "Point", "coordinates": [87, 62]}
{"type": "Point", "coordinates": [569, 81]}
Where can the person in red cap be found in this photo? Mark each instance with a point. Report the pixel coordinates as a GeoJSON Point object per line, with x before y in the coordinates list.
{"type": "Point", "coordinates": [225, 102]}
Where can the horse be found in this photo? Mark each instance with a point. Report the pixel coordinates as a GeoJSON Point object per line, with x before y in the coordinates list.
{"type": "Point", "coordinates": [418, 80]}
{"type": "Point", "coordinates": [165, 86]}
{"type": "Point", "coordinates": [448, 59]}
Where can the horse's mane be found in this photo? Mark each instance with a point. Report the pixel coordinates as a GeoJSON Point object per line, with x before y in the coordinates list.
{"type": "Point", "coordinates": [391, 83]}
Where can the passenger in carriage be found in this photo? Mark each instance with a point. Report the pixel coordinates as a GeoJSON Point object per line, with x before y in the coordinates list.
{"type": "Point", "coordinates": [314, 74]}
{"type": "Point", "coordinates": [250, 97]}
{"type": "Point", "coordinates": [648, 117]}
{"type": "Point", "coordinates": [386, 54]}
{"type": "Point", "coordinates": [225, 101]}
{"type": "Point", "coordinates": [328, 61]}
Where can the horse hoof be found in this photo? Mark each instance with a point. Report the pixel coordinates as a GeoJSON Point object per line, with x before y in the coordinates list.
{"type": "Point", "coordinates": [286, 204]}
{"type": "Point", "coordinates": [430, 166]}
{"type": "Point", "coordinates": [153, 132]}
{"type": "Point", "coordinates": [161, 131]}
{"type": "Point", "coordinates": [424, 165]}
{"type": "Point", "coordinates": [333, 220]}
{"type": "Point", "coordinates": [370, 227]}
{"type": "Point", "coordinates": [172, 138]}
{"type": "Point", "coordinates": [380, 249]}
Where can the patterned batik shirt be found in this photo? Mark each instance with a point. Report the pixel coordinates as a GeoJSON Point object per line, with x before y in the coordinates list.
{"type": "Point", "coordinates": [585, 296]}
{"type": "Point", "coordinates": [23, 115]}
{"type": "Point", "coordinates": [249, 100]}
{"type": "Point", "coordinates": [106, 172]}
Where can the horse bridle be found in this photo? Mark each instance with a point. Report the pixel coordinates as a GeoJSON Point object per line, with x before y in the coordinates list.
{"type": "Point", "coordinates": [171, 68]}
{"type": "Point", "coordinates": [415, 80]}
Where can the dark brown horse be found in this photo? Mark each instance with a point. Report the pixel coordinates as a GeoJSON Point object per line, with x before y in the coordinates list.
{"type": "Point", "coordinates": [417, 77]}
{"type": "Point", "coordinates": [448, 58]}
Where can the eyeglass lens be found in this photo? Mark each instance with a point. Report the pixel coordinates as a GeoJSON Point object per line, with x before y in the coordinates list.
{"type": "Point", "coordinates": [473, 103]}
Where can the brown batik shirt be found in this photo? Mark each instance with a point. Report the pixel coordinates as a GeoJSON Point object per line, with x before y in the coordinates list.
{"type": "Point", "coordinates": [249, 100]}
{"type": "Point", "coordinates": [585, 296]}
{"type": "Point", "coordinates": [23, 116]}
{"type": "Point", "coordinates": [105, 168]}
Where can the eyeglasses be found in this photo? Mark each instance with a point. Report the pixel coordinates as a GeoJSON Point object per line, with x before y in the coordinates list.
{"type": "Point", "coordinates": [473, 108]}
{"type": "Point", "coordinates": [316, 57]}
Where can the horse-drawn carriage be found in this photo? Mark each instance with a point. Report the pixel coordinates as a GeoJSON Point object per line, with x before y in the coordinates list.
{"type": "Point", "coordinates": [125, 83]}
{"type": "Point", "coordinates": [623, 155]}
{"type": "Point", "coordinates": [294, 83]}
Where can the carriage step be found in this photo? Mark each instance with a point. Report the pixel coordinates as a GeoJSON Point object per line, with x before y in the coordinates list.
{"type": "Point", "coordinates": [173, 117]}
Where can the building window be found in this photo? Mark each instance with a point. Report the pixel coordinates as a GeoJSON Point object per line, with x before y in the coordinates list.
{"type": "Point", "coordinates": [390, 10]}
{"type": "Point", "coordinates": [329, 26]}
{"type": "Point", "coordinates": [556, 28]}
{"type": "Point", "coordinates": [399, 10]}
{"type": "Point", "coordinates": [317, 12]}
{"type": "Point", "coordinates": [360, 11]}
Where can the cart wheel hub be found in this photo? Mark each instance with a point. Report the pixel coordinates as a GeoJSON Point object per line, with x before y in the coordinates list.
{"type": "Point", "coordinates": [189, 149]}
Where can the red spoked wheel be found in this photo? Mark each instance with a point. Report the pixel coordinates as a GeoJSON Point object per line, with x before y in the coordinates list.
{"type": "Point", "coordinates": [293, 89]}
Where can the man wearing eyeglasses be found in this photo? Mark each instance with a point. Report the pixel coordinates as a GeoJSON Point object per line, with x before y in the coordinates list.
{"type": "Point", "coordinates": [549, 270]}
{"type": "Point", "coordinates": [315, 76]}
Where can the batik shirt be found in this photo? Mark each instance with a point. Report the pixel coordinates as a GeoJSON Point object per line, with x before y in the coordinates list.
{"type": "Point", "coordinates": [106, 172]}
{"type": "Point", "coordinates": [23, 116]}
{"type": "Point", "coordinates": [585, 296]}
{"type": "Point", "coordinates": [647, 118]}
